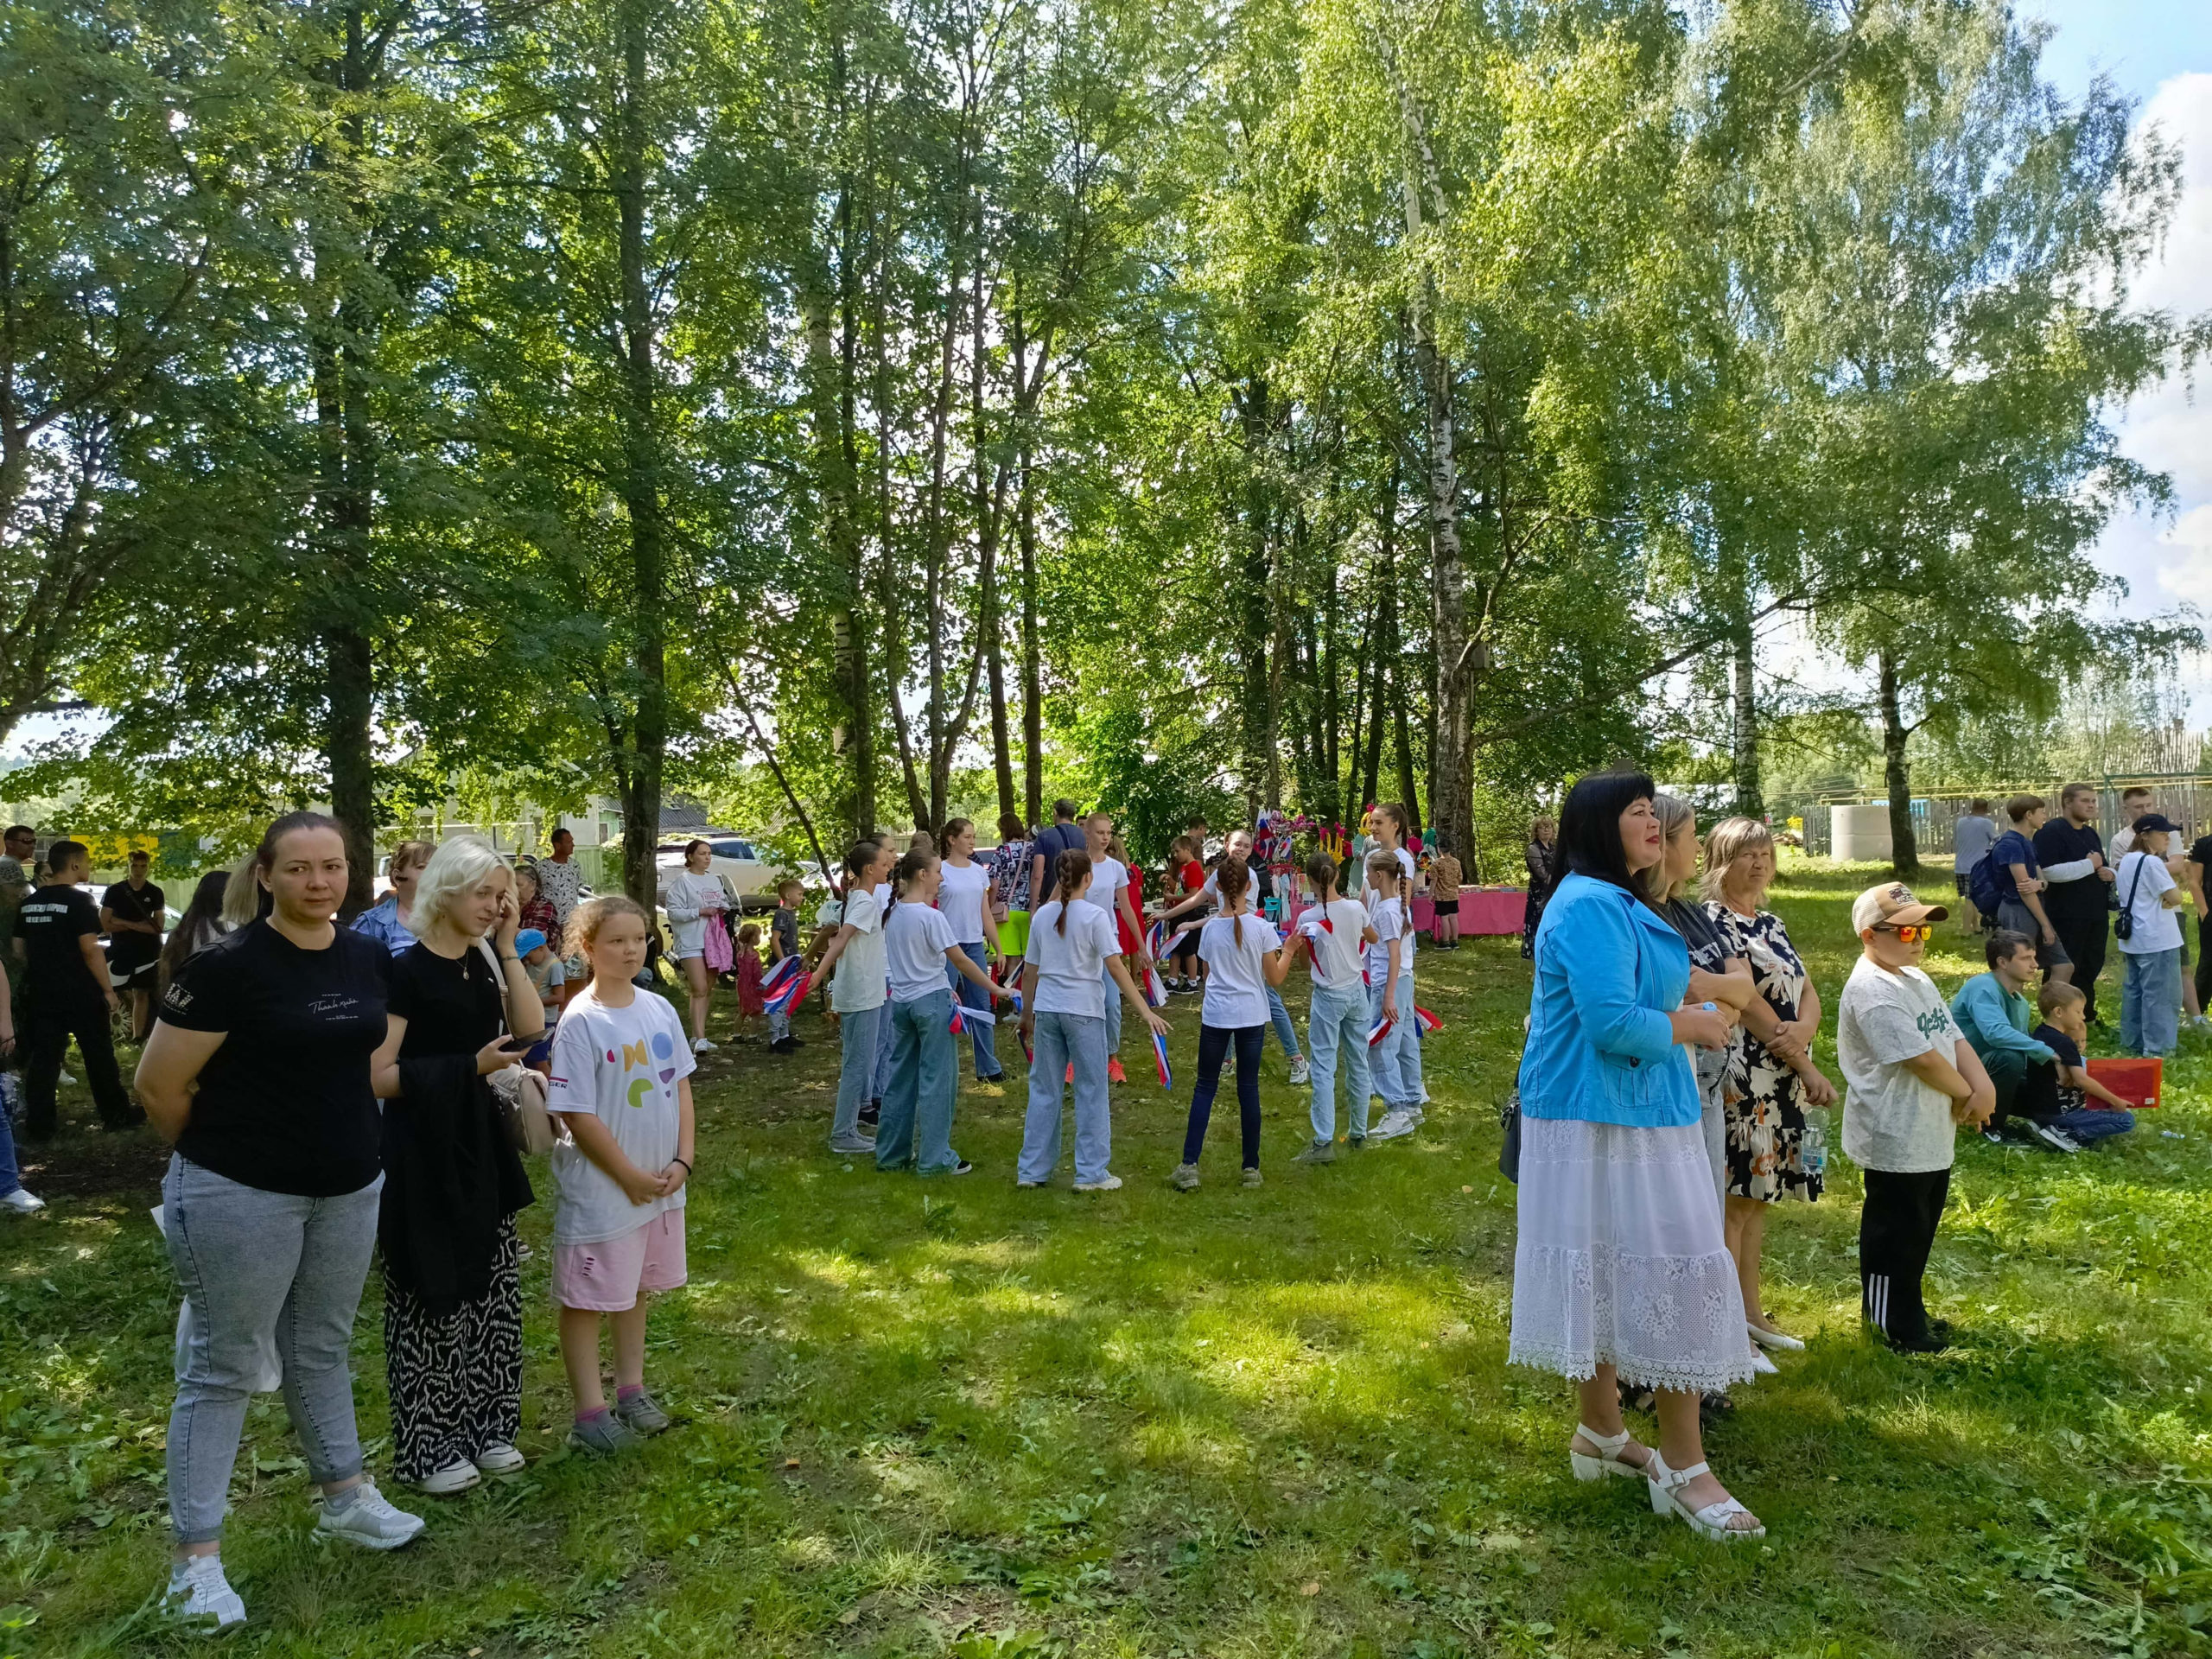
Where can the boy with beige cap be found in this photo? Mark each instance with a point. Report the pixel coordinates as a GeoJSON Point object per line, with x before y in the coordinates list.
{"type": "Point", "coordinates": [1912, 1078]}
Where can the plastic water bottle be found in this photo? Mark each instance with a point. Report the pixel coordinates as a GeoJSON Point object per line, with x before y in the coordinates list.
{"type": "Point", "coordinates": [1814, 1154]}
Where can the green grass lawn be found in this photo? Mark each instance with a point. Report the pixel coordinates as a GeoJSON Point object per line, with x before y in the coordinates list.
{"type": "Point", "coordinates": [933, 1417]}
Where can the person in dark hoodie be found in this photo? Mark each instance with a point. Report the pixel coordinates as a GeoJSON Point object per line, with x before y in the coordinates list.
{"type": "Point", "coordinates": [257, 1071]}
{"type": "Point", "coordinates": [453, 1179]}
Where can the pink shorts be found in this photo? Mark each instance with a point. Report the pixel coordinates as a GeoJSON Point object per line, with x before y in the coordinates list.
{"type": "Point", "coordinates": [610, 1275]}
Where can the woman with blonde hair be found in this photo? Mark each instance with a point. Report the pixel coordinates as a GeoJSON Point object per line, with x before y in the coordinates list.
{"type": "Point", "coordinates": [388, 919]}
{"type": "Point", "coordinates": [1772, 1079]}
{"type": "Point", "coordinates": [453, 1179]}
{"type": "Point", "coordinates": [1542, 859]}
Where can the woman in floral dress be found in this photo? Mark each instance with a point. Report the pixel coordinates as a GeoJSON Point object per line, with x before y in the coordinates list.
{"type": "Point", "coordinates": [1772, 1079]}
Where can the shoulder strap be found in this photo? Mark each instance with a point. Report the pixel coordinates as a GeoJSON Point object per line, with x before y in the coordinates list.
{"type": "Point", "coordinates": [2140, 858]}
{"type": "Point", "coordinates": [498, 979]}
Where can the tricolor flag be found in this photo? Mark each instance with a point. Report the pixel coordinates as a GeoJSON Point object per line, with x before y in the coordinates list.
{"type": "Point", "coordinates": [963, 1015]}
{"type": "Point", "coordinates": [790, 993]}
{"type": "Point", "coordinates": [1028, 1052]}
{"type": "Point", "coordinates": [1427, 1021]}
{"type": "Point", "coordinates": [1313, 927]}
{"type": "Point", "coordinates": [1160, 1057]}
{"type": "Point", "coordinates": [1156, 993]}
{"type": "Point", "coordinates": [1155, 940]}
{"type": "Point", "coordinates": [1382, 1027]}
{"type": "Point", "coordinates": [783, 969]}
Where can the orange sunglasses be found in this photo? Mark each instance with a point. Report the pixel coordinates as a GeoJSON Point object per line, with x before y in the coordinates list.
{"type": "Point", "coordinates": [1910, 931]}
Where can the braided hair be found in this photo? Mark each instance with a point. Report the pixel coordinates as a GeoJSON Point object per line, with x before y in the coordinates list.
{"type": "Point", "coordinates": [1070, 867]}
{"type": "Point", "coordinates": [909, 870]}
{"type": "Point", "coordinates": [1233, 878]}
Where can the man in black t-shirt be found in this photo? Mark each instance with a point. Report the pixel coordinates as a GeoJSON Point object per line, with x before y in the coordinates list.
{"type": "Point", "coordinates": [131, 914]}
{"type": "Point", "coordinates": [67, 994]}
{"type": "Point", "coordinates": [2076, 879]}
{"type": "Point", "coordinates": [1065, 835]}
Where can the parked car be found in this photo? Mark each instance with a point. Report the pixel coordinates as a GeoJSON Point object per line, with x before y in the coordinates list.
{"type": "Point", "coordinates": [734, 858]}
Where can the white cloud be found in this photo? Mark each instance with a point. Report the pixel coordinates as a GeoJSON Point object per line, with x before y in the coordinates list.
{"type": "Point", "coordinates": [2189, 576]}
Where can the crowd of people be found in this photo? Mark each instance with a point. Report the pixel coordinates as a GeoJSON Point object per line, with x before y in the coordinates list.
{"type": "Point", "coordinates": [342, 1096]}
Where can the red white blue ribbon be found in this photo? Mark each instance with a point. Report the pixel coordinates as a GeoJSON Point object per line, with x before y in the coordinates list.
{"type": "Point", "coordinates": [1160, 1057]}
{"type": "Point", "coordinates": [1427, 1021]}
{"type": "Point", "coordinates": [1382, 1027]}
{"type": "Point", "coordinates": [1156, 993]}
{"type": "Point", "coordinates": [962, 1014]}
{"type": "Point", "coordinates": [783, 969]}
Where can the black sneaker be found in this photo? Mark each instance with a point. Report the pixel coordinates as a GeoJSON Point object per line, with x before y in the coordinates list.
{"type": "Point", "coordinates": [782, 1046]}
{"type": "Point", "coordinates": [2052, 1139]}
{"type": "Point", "coordinates": [871, 1114]}
{"type": "Point", "coordinates": [1927, 1343]}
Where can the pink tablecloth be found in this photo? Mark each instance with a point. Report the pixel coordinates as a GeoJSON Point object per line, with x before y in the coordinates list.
{"type": "Point", "coordinates": [1482, 910]}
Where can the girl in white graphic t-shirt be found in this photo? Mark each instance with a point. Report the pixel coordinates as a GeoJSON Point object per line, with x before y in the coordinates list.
{"type": "Point", "coordinates": [1245, 959]}
{"type": "Point", "coordinates": [622, 1083]}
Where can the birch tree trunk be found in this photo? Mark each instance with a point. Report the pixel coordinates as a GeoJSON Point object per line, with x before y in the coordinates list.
{"type": "Point", "coordinates": [1904, 846]}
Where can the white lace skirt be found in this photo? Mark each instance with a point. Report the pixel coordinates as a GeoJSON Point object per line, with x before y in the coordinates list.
{"type": "Point", "coordinates": [1621, 1260]}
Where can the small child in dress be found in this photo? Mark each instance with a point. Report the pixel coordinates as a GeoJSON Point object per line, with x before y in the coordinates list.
{"type": "Point", "coordinates": [621, 1081]}
{"type": "Point", "coordinates": [783, 941]}
{"type": "Point", "coordinates": [750, 1003]}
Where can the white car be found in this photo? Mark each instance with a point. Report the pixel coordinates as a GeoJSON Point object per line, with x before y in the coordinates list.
{"type": "Point", "coordinates": [733, 858]}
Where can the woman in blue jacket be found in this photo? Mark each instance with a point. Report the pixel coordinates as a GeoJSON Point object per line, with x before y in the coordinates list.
{"type": "Point", "coordinates": [1621, 1269]}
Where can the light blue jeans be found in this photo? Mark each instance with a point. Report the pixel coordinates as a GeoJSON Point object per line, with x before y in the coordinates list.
{"type": "Point", "coordinates": [881, 1086]}
{"type": "Point", "coordinates": [1113, 1006]}
{"type": "Point", "coordinates": [256, 1267]}
{"type": "Point", "coordinates": [1337, 1020]}
{"type": "Point", "coordinates": [1061, 1040]}
{"type": "Point", "coordinates": [916, 1123]}
{"type": "Point", "coordinates": [1279, 1016]}
{"type": "Point", "coordinates": [1393, 1079]}
{"type": "Point", "coordinates": [973, 995]}
{"type": "Point", "coordinates": [856, 1076]}
{"type": "Point", "coordinates": [2149, 1002]}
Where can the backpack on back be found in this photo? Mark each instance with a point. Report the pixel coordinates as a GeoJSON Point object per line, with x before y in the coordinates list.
{"type": "Point", "coordinates": [1983, 881]}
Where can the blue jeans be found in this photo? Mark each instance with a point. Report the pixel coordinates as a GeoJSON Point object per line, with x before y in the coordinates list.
{"type": "Point", "coordinates": [2090, 1125]}
{"type": "Point", "coordinates": [2150, 1002]}
{"type": "Point", "coordinates": [1214, 1045]}
{"type": "Point", "coordinates": [973, 995]}
{"type": "Point", "coordinates": [1113, 1008]}
{"type": "Point", "coordinates": [1409, 1056]}
{"type": "Point", "coordinates": [856, 1075]}
{"type": "Point", "coordinates": [881, 1084]}
{"type": "Point", "coordinates": [1062, 1039]}
{"type": "Point", "coordinates": [1386, 1061]}
{"type": "Point", "coordinates": [1336, 1017]}
{"type": "Point", "coordinates": [11, 1176]}
{"type": "Point", "coordinates": [1279, 1016]}
{"type": "Point", "coordinates": [916, 1123]}
{"type": "Point", "coordinates": [260, 1267]}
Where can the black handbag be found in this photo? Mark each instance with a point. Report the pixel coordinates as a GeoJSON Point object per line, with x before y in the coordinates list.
{"type": "Point", "coordinates": [1509, 1119]}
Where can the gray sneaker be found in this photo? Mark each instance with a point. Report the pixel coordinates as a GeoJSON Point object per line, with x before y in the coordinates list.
{"type": "Point", "coordinates": [1185, 1177]}
{"type": "Point", "coordinates": [1300, 1072]}
{"type": "Point", "coordinates": [1321, 1152]}
{"type": "Point", "coordinates": [1395, 1122]}
{"type": "Point", "coordinates": [1251, 1178]}
{"type": "Point", "coordinates": [603, 1437]}
{"type": "Point", "coordinates": [366, 1518]}
{"type": "Point", "coordinates": [858, 1144]}
{"type": "Point", "coordinates": [642, 1413]}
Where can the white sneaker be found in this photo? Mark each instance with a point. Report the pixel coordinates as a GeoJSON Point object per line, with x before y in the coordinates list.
{"type": "Point", "coordinates": [1424, 1094]}
{"type": "Point", "coordinates": [456, 1476]}
{"type": "Point", "coordinates": [1104, 1184]}
{"type": "Point", "coordinates": [1395, 1122]}
{"type": "Point", "coordinates": [199, 1590]}
{"type": "Point", "coordinates": [370, 1521]}
{"type": "Point", "coordinates": [1301, 1073]}
{"type": "Point", "coordinates": [498, 1459]}
{"type": "Point", "coordinates": [21, 1202]}
{"type": "Point", "coordinates": [64, 1077]}
{"type": "Point", "coordinates": [702, 1045]}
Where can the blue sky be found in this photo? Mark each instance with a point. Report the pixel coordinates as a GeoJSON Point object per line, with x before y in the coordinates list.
{"type": "Point", "coordinates": [2159, 51]}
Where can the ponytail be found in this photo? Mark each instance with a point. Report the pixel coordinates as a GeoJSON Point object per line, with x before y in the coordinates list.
{"type": "Point", "coordinates": [1232, 878]}
{"type": "Point", "coordinates": [1321, 870]}
{"type": "Point", "coordinates": [1070, 867]}
{"type": "Point", "coordinates": [909, 869]}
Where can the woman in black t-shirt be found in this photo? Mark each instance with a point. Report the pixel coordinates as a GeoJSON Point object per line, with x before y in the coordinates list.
{"type": "Point", "coordinates": [453, 1180]}
{"type": "Point", "coordinates": [270, 1204]}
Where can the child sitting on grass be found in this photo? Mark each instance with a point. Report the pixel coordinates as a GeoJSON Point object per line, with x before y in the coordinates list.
{"type": "Point", "coordinates": [2058, 1096]}
{"type": "Point", "coordinates": [621, 1080]}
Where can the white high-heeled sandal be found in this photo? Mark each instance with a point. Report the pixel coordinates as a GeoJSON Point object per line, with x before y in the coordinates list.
{"type": "Point", "coordinates": [1608, 1459]}
{"type": "Point", "coordinates": [1712, 1521]}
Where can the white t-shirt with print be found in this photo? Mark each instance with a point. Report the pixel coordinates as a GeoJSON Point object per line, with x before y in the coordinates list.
{"type": "Point", "coordinates": [861, 969]}
{"type": "Point", "coordinates": [688, 898]}
{"type": "Point", "coordinates": [915, 939]}
{"type": "Point", "coordinates": [620, 1065]}
{"type": "Point", "coordinates": [1387, 918]}
{"type": "Point", "coordinates": [1069, 967]}
{"type": "Point", "coordinates": [2141, 879]}
{"type": "Point", "coordinates": [961, 897]}
{"type": "Point", "coordinates": [1407, 869]}
{"type": "Point", "coordinates": [1337, 952]}
{"type": "Point", "coordinates": [1893, 1120]}
{"type": "Point", "coordinates": [1236, 985]}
